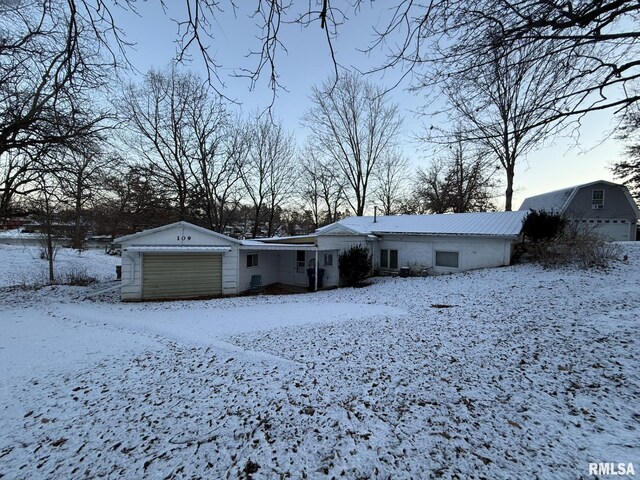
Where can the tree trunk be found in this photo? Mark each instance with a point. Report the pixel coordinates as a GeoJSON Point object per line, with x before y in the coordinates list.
{"type": "Point", "coordinates": [509, 192]}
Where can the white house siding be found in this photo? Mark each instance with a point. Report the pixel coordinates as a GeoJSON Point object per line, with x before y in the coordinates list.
{"type": "Point", "coordinates": [337, 244]}
{"type": "Point", "coordinates": [331, 276]}
{"type": "Point", "coordinates": [175, 237]}
{"type": "Point", "coordinates": [131, 276]}
{"type": "Point", "coordinates": [473, 252]}
{"type": "Point", "coordinates": [287, 268]}
{"type": "Point", "coordinates": [267, 268]}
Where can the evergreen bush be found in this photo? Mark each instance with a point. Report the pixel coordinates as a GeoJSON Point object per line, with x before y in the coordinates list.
{"type": "Point", "coordinates": [354, 266]}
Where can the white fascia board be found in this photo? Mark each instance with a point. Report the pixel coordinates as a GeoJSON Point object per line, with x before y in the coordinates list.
{"type": "Point", "coordinates": [277, 247]}
{"type": "Point", "coordinates": [178, 249]}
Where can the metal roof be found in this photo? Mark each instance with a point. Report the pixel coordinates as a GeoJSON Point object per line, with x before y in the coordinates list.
{"type": "Point", "coordinates": [480, 223]}
{"type": "Point", "coordinates": [558, 200]}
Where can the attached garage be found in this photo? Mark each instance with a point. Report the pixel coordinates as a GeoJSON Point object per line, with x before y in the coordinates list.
{"type": "Point", "coordinates": [183, 275]}
{"type": "Point", "coordinates": [178, 261]}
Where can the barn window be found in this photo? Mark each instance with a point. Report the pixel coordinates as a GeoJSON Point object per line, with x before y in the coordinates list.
{"type": "Point", "coordinates": [447, 259]}
{"type": "Point", "coordinates": [597, 200]}
{"type": "Point", "coordinates": [252, 260]}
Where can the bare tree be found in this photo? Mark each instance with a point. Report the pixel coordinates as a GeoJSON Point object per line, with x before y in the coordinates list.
{"type": "Point", "coordinates": [131, 200]}
{"type": "Point", "coordinates": [598, 40]}
{"type": "Point", "coordinates": [50, 70]}
{"type": "Point", "coordinates": [219, 145]}
{"type": "Point", "coordinates": [500, 107]}
{"type": "Point", "coordinates": [462, 181]}
{"type": "Point", "coordinates": [79, 173]}
{"type": "Point", "coordinates": [322, 188]}
{"type": "Point", "coordinates": [354, 125]}
{"type": "Point", "coordinates": [628, 170]}
{"type": "Point", "coordinates": [392, 177]}
{"type": "Point", "coordinates": [268, 174]}
{"type": "Point", "coordinates": [45, 200]}
{"type": "Point", "coordinates": [158, 113]}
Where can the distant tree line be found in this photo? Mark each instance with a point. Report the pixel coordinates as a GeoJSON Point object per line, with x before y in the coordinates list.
{"type": "Point", "coordinates": [77, 147]}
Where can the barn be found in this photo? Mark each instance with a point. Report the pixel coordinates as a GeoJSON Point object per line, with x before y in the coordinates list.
{"type": "Point", "coordinates": [604, 208]}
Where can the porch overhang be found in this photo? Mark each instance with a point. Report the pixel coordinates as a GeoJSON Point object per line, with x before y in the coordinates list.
{"type": "Point", "coordinates": [257, 246]}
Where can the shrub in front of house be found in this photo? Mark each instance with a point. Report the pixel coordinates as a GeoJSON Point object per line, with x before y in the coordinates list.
{"type": "Point", "coordinates": [552, 243]}
{"type": "Point", "coordinates": [354, 266]}
{"type": "Point", "coordinates": [540, 226]}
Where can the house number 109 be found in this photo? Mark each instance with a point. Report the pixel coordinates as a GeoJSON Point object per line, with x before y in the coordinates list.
{"type": "Point", "coordinates": [183, 237]}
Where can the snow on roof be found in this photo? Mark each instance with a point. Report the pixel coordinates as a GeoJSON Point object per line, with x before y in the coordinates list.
{"type": "Point", "coordinates": [182, 223]}
{"type": "Point", "coordinates": [555, 201]}
{"type": "Point", "coordinates": [558, 200]}
{"type": "Point", "coordinates": [480, 223]}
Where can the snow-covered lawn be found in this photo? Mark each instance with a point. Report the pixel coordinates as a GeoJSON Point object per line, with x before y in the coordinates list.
{"type": "Point", "coordinates": [516, 372]}
{"type": "Point", "coordinates": [23, 265]}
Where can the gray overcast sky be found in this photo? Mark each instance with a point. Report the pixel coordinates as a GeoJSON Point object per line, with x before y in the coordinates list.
{"type": "Point", "coordinates": [307, 62]}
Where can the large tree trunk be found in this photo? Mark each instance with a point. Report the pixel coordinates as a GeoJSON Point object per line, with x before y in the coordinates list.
{"type": "Point", "coordinates": [509, 192]}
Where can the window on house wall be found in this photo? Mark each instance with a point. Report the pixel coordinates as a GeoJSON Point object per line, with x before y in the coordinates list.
{"type": "Point", "coordinates": [300, 261]}
{"type": "Point", "coordinates": [252, 260]}
{"type": "Point", "coordinates": [389, 259]}
{"type": "Point", "coordinates": [597, 199]}
{"type": "Point", "coordinates": [328, 259]}
{"type": "Point", "coordinates": [447, 259]}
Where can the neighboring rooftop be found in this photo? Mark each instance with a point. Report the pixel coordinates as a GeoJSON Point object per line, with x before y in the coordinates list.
{"type": "Point", "coordinates": [480, 223]}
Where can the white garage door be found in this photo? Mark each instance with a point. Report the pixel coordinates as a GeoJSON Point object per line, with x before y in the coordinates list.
{"type": "Point", "coordinates": [614, 231]}
{"type": "Point", "coordinates": [181, 275]}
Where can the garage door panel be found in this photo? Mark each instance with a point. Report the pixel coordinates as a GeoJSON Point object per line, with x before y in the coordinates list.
{"type": "Point", "coordinates": [181, 275]}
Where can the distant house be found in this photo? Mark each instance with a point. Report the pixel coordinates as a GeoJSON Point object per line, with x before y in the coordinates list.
{"type": "Point", "coordinates": [605, 208]}
{"type": "Point", "coordinates": [182, 260]}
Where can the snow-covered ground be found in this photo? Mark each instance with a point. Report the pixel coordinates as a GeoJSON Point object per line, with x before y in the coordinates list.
{"type": "Point", "coordinates": [515, 372]}
{"type": "Point", "coordinates": [23, 265]}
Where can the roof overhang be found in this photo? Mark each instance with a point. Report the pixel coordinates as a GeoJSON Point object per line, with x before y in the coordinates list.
{"type": "Point", "coordinates": [277, 247]}
{"type": "Point", "coordinates": [178, 249]}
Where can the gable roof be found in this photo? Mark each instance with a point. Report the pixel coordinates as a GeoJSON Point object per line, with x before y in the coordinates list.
{"type": "Point", "coordinates": [557, 201]}
{"type": "Point", "coordinates": [143, 233]}
{"type": "Point", "coordinates": [504, 224]}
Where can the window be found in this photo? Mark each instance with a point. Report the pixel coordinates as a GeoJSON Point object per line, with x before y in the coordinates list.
{"type": "Point", "coordinates": [300, 261]}
{"type": "Point", "coordinates": [389, 259]}
{"type": "Point", "coordinates": [447, 259]}
{"type": "Point", "coordinates": [252, 260]}
{"type": "Point", "coordinates": [597, 199]}
{"type": "Point", "coordinates": [328, 259]}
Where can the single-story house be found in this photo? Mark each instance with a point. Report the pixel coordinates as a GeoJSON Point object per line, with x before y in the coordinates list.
{"type": "Point", "coordinates": [605, 208]}
{"type": "Point", "coordinates": [182, 260]}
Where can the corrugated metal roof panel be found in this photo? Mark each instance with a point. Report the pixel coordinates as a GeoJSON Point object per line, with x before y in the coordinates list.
{"type": "Point", "coordinates": [481, 223]}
